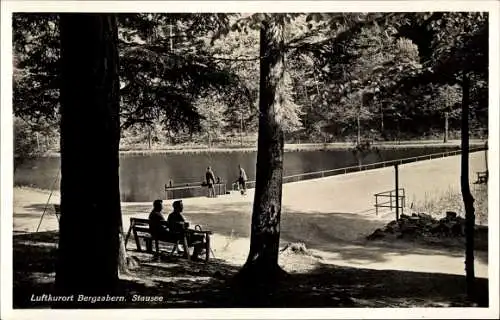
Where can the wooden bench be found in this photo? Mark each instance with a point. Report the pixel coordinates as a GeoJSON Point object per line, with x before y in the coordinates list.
{"type": "Point", "coordinates": [140, 229]}
{"type": "Point", "coordinates": [482, 177]}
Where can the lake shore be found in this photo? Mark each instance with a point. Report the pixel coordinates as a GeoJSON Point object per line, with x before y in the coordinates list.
{"type": "Point", "coordinates": [331, 215]}
{"type": "Point", "coordinates": [294, 147]}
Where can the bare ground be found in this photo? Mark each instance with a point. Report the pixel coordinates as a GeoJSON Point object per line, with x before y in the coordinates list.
{"type": "Point", "coordinates": [331, 216]}
{"type": "Point", "coordinates": [185, 284]}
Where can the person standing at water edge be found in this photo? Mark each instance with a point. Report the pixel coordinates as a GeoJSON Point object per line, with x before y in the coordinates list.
{"type": "Point", "coordinates": [242, 180]}
{"type": "Point", "coordinates": [210, 177]}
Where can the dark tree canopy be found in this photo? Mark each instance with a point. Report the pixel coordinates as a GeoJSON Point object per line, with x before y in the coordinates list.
{"type": "Point", "coordinates": [189, 75]}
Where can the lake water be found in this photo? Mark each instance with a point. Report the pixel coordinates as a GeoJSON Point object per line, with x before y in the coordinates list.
{"type": "Point", "coordinates": [143, 177]}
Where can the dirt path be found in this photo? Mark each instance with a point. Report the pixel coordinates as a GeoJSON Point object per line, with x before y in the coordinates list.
{"type": "Point", "coordinates": [330, 215]}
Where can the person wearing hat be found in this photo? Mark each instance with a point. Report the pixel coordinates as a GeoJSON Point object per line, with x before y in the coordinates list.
{"type": "Point", "coordinates": [177, 222]}
{"type": "Point", "coordinates": [155, 219]}
{"type": "Point", "coordinates": [175, 219]}
{"type": "Point", "coordinates": [242, 179]}
{"type": "Point", "coordinates": [210, 179]}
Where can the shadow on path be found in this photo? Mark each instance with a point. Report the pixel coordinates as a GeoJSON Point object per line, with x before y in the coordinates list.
{"type": "Point", "coordinates": [339, 233]}
{"type": "Point", "coordinates": [186, 284]}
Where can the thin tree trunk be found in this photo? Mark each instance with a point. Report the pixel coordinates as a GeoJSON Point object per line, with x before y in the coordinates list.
{"type": "Point", "coordinates": [241, 129]}
{"type": "Point", "coordinates": [486, 157]}
{"type": "Point", "coordinates": [209, 130]}
{"type": "Point", "coordinates": [38, 149]}
{"type": "Point", "coordinates": [358, 136]}
{"type": "Point", "coordinates": [90, 132]}
{"type": "Point", "coordinates": [171, 38]}
{"type": "Point", "coordinates": [306, 122]}
{"type": "Point", "coordinates": [45, 143]}
{"type": "Point", "coordinates": [149, 138]}
{"type": "Point", "coordinates": [317, 86]}
{"type": "Point", "coordinates": [382, 121]}
{"type": "Point", "coordinates": [466, 194]}
{"type": "Point", "coordinates": [398, 133]}
{"type": "Point", "coordinates": [445, 140]}
{"type": "Point", "coordinates": [262, 263]}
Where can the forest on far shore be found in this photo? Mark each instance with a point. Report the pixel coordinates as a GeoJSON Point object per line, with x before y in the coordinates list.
{"type": "Point", "coordinates": [183, 82]}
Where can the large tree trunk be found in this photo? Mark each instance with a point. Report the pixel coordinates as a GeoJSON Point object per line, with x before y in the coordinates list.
{"type": "Point", "coordinates": [90, 132]}
{"type": "Point", "coordinates": [466, 194]}
{"type": "Point", "coordinates": [262, 262]}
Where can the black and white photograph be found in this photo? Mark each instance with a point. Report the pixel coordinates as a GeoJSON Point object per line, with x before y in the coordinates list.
{"type": "Point", "coordinates": [216, 157]}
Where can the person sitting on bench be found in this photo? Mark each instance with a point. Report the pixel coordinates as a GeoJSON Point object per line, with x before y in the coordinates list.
{"type": "Point", "coordinates": [155, 219]}
{"type": "Point", "coordinates": [176, 222]}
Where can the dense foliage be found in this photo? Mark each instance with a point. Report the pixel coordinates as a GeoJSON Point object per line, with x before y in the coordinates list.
{"type": "Point", "coordinates": [194, 77]}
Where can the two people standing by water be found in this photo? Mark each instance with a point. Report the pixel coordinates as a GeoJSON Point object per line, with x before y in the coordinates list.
{"type": "Point", "coordinates": [211, 180]}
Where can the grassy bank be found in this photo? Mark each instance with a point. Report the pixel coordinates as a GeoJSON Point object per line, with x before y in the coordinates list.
{"type": "Point", "coordinates": [437, 204]}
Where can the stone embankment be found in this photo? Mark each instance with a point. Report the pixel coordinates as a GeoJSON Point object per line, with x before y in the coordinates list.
{"type": "Point", "coordinates": [423, 226]}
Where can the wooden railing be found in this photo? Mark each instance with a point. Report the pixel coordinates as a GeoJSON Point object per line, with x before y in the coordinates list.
{"type": "Point", "coordinates": [196, 189]}
{"type": "Point", "coordinates": [375, 165]}
{"type": "Point", "coordinates": [392, 203]}
{"type": "Point", "coordinates": [192, 190]}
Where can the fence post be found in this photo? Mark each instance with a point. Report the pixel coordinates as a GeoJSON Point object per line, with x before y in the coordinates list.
{"type": "Point", "coordinates": [403, 202]}
{"type": "Point", "coordinates": [404, 195]}
{"type": "Point", "coordinates": [397, 191]}
{"type": "Point", "coordinates": [376, 205]}
{"type": "Point", "coordinates": [390, 200]}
